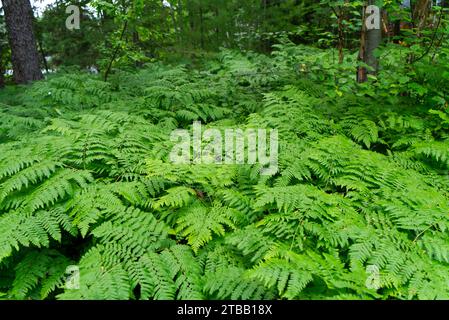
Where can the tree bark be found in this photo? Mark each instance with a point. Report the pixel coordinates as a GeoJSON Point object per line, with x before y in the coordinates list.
{"type": "Point", "coordinates": [339, 13]}
{"type": "Point", "coordinates": [373, 40]}
{"type": "Point", "coordinates": [361, 71]}
{"type": "Point", "coordinates": [19, 24]}
{"type": "Point", "coordinates": [369, 42]}
{"type": "Point", "coordinates": [421, 13]}
{"type": "Point", "coordinates": [397, 31]}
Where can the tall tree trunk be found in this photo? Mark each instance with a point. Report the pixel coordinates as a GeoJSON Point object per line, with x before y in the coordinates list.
{"type": "Point", "coordinates": [361, 71]}
{"type": "Point", "coordinates": [19, 24]}
{"type": "Point", "coordinates": [373, 40]}
{"type": "Point", "coordinates": [370, 41]}
{"type": "Point", "coordinates": [340, 15]}
{"type": "Point", "coordinates": [421, 12]}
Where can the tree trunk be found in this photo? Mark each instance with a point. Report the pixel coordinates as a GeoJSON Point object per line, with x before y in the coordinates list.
{"type": "Point", "coordinates": [373, 40]}
{"type": "Point", "coordinates": [41, 50]}
{"type": "Point", "coordinates": [361, 71]}
{"type": "Point", "coordinates": [397, 31]}
{"type": "Point", "coordinates": [340, 15]}
{"type": "Point", "coordinates": [420, 14]}
{"type": "Point", "coordinates": [19, 24]}
{"type": "Point", "coordinates": [370, 41]}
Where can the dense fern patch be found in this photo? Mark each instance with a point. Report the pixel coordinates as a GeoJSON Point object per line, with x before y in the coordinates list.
{"type": "Point", "coordinates": [85, 180]}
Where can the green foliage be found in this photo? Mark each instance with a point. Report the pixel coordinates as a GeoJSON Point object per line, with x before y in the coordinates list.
{"type": "Point", "coordinates": [85, 180]}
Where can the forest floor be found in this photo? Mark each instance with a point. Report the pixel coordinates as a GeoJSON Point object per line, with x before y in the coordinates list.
{"type": "Point", "coordinates": [357, 209]}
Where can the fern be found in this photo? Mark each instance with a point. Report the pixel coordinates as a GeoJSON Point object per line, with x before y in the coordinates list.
{"type": "Point", "coordinates": [85, 180]}
{"type": "Point", "coordinates": [43, 270]}
{"type": "Point", "coordinates": [197, 223]}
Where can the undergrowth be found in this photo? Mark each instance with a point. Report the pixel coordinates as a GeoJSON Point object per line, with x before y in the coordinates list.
{"type": "Point", "coordinates": [85, 180]}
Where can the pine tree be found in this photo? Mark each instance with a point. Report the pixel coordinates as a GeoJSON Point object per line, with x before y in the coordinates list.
{"type": "Point", "coordinates": [25, 57]}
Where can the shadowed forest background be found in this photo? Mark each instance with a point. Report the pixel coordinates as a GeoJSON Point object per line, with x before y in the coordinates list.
{"type": "Point", "coordinates": [359, 208]}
